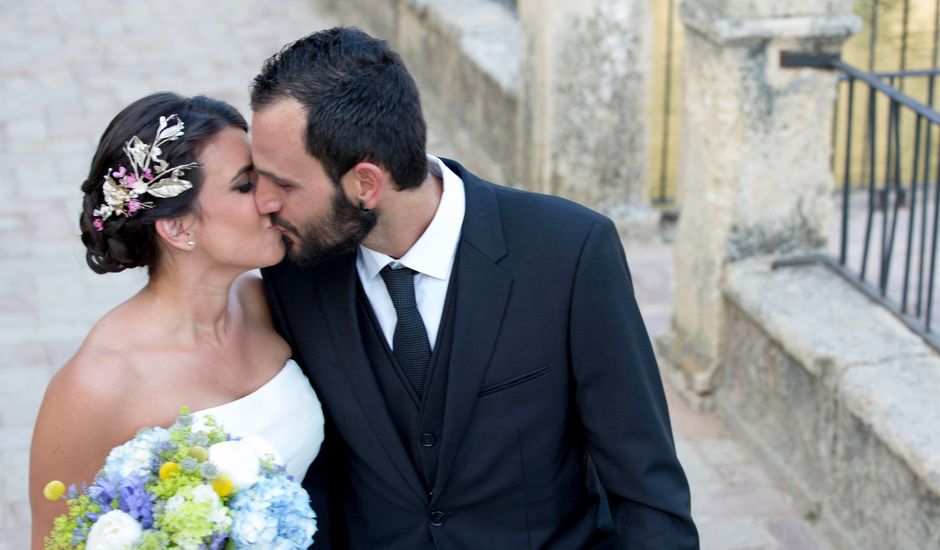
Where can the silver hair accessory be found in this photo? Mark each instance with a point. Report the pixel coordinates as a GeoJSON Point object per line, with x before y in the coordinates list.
{"type": "Point", "coordinates": [148, 175]}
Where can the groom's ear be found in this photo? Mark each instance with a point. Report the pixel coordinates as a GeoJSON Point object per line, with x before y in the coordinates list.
{"type": "Point", "coordinates": [175, 232]}
{"type": "Point", "coordinates": [365, 183]}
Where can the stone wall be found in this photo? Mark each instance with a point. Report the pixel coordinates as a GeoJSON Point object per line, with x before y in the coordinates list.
{"type": "Point", "coordinates": [584, 111]}
{"type": "Point", "coordinates": [839, 399]}
{"type": "Point", "coordinates": [464, 56]}
{"type": "Point", "coordinates": [551, 97]}
{"type": "Point", "coordinates": [754, 171]}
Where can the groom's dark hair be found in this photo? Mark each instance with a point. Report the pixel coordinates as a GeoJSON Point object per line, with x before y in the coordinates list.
{"type": "Point", "coordinates": [361, 102]}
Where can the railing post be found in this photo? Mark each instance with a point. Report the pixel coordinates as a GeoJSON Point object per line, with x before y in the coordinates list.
{"type": "Point", "coordinates": [754, 173]}
{"type": "Point", "coordinates": [583, 109]}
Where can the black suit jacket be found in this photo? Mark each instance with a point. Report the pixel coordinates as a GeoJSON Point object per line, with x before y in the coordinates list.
{"type": "Point", "coordinates": [556, 432]}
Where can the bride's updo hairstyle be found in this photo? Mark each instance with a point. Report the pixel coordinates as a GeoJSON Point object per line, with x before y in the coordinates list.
{"type": "Point", "coordinates": [120, 242]}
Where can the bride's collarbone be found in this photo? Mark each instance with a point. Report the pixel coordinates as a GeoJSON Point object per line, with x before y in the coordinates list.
{"type": "Point", "coordinates": [151, 365]}
{"type": "Point", "coordinates": [200, 382]}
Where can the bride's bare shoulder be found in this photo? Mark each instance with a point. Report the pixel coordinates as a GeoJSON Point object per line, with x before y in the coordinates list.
{"type": "Point", "coordinates": [102, 367]}
{"type": "Point", "coordinates": [83, 414]}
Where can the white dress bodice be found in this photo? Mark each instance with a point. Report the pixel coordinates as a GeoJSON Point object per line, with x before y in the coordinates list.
{"type": "Point", "coordinates": [285, 411]}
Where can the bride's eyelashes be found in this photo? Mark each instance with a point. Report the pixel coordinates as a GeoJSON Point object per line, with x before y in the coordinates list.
{"type": "Point", "coordinates": [246, 187]}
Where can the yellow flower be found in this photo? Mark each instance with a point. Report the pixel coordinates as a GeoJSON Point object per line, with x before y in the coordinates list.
{"type": "Point", "coordinates": [54, 490]}
{"type": "Point", "coordinates": [168, 470]}
{"type": "Point", "coordinates": [222, 485]}
{"type": "Point", "coordinates": [199, 453]}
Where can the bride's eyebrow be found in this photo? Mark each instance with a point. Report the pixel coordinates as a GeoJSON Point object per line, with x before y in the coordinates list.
{"type": "Point", "coordinates": [241, 171]}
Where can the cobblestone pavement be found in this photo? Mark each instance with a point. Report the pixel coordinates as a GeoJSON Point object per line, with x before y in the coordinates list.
{"type": "Point", "coordinates": [67, 67]}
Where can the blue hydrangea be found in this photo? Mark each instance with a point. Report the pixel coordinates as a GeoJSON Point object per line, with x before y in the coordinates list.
{"type": "Point", "coordinates": [136, 457]}
{"type": "Point", "coordinates": [273, 513]}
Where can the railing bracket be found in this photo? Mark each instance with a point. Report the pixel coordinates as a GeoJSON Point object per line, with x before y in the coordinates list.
{"type": "Point", "coordinates": [808, 60]}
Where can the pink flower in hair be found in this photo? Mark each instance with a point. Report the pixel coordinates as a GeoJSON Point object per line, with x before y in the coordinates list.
{"type": "Point", "coordinates": [130, 180]}
{"type": "Point", "coordinates": [147, 175]}
{"type": "Point", "coordinates": [119, 173]}
{"type": "Point", "coordinates": [139, 186]}
{"type": "Point", "coordinates": [133, 206]}
{"type": "Point", "coordinates": [98, 224]}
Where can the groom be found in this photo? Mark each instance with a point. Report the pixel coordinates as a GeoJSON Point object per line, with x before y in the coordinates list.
{"type": "Point", "coordinates": [487, 377]}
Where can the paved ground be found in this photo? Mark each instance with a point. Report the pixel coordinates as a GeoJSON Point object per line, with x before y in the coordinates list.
{"type": "Point", "coordinates": [67, 67]}
{"type": "Point", "coordinates": [735, 504]}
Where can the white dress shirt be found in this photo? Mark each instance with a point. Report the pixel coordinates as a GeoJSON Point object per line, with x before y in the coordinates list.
{"type": "Point", "coordinates": [432, 256]}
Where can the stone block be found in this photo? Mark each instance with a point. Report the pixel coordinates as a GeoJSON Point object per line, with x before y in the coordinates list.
{"type": "Point", "coordinates": [751, 9]}
{"type": "Point", "coordinates": [838, 398]}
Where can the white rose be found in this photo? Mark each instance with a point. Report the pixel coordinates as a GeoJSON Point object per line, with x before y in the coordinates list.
{"type": "Point", "coordinates": [236, 460]}
{"type": "Point", "coordinates": [264, 449]}
{"type": "Point", "coordinates": [113, 531]}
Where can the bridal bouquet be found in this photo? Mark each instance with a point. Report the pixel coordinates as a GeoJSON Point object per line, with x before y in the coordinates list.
{"type": "Point", "coordinates": [190, 486]}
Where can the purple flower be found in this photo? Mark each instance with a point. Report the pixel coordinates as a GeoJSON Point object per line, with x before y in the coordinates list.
{"type": "Point", "coordinates": [138, 503]}
{"type": "Point", "coordinates": [128, 493]}
{"type": "Point", "coordinates": [218, 541]}
{"type": "Point", "coordinates": [133, 206]}
{"type": "Point", "coordinates": [120, 172]}
{"type": "Point", "coordinates": [104, 490]}
{"type": "Point", "coordinates": [98, 224]}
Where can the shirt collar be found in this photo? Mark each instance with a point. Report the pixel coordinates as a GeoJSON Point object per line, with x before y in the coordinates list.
{"type": "Point", "coordinates": [433, 253]}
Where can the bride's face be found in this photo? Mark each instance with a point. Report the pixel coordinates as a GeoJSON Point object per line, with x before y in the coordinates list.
{"type": "Point", "coordinates": [227, 227]}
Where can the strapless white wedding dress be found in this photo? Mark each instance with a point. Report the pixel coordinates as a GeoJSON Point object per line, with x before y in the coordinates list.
{"type": "Point", "coordinates": [284, 411]}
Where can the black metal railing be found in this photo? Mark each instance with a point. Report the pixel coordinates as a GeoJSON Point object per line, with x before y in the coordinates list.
{"type": "Point", "coordinates": [896, 34]}
{"type": "Point", "coordinates": [889, 196]}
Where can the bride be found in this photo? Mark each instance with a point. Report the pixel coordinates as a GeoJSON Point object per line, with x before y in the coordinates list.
{"type": "Point", "coordinates": [199, 333]}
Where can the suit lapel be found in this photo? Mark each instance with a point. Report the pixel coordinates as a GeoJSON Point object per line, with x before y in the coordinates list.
{"type": "Point", "coordinates": [337, 290]}
{"type": "Point", "coordinates": [482, 294]}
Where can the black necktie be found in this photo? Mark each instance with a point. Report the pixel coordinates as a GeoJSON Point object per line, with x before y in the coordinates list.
{"type": "Point", "coordinates": [410, 341]}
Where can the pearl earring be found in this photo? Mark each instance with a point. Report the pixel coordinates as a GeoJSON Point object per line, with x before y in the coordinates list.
{"type": "Point", "coordinates": [191, 243]}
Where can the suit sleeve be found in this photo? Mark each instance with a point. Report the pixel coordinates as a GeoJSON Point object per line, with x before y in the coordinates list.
{"type": "Point", "coordinates": [620, 398]}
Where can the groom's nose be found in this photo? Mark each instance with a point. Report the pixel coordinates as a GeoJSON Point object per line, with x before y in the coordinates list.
{"type": "Point", "coordinates": [267, 197]}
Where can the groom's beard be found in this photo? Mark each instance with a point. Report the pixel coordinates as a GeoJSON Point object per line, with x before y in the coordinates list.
{"type": "Point", "coordinates": [339, 232]}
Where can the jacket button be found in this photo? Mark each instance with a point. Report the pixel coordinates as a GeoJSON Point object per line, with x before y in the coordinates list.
{"type": "Point", "coordinates": [438, 518]}
{"type": "Point", "coordinates": [428, 440]}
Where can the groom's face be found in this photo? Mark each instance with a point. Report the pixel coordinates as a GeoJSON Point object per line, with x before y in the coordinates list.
{"type": "Point", "coordinates": [315, 216]}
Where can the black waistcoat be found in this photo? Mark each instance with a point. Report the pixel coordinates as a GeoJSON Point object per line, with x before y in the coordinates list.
{"type": "Point", "coordinates": [419, 422]}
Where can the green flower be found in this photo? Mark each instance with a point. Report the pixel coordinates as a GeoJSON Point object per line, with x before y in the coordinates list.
{"type": "Point", "coordinates": [193, 515]}
{"type": "Point", "coordinates": [66, 526]}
